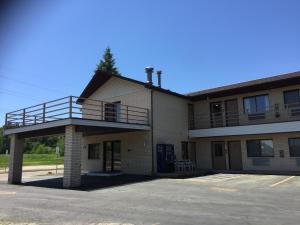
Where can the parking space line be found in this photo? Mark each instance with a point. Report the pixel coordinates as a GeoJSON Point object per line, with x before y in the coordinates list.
{"type": "Point", "coordinates": [7, 193]}
{"type": "Point", "coordinates": [221, 189]}
{"type": "Point", "coordinates": [282, 181]}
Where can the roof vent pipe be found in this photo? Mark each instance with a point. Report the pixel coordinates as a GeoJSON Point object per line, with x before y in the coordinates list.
{"type": "Point", "coordinates": [158, 72]}
{"type": "Point", "coordinates": [149, 71]}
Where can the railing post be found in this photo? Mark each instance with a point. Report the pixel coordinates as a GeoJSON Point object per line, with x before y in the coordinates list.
{"type": "Point", "coordinates": [148, 116]}
{"type": "Point", "coordinates": [44, 112]}
{"type": "Point", "coordinates": [34, 119]}
{"type": "Point", "coordinates": [102, 111]}
{"type": "Point", "coordinates": [70, 105]}
{"type": "Point", "coordinates": [6, 122]}
{"type": "Point", "coordinates": [24, 112]}
{"type": "Point", "coordinates": [127, 113]}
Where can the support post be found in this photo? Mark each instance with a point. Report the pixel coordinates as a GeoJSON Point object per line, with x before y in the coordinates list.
{"type": "Point", "coordinates": [72, 160]}
{"type": "Point", "coordinates": [15, 160]}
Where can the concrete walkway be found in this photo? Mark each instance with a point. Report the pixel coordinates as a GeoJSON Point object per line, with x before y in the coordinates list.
{"type": "Point", "coordinates": [36, 168]}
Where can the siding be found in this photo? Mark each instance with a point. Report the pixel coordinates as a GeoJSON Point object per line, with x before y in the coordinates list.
{"type": "Point", "coordinates": [170, 121]}
{"type": "Point", "coordinates": [280, 142]}
{"type": "Point", "coordinates": [136, 156]}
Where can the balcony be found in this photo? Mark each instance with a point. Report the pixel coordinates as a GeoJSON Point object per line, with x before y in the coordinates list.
{"type": "Point", "coordinates": [270, 120]}
{"type": "Point", "coordinates": [78, 111]}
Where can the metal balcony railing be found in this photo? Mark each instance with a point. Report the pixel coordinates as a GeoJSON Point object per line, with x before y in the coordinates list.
{"type": "Point", "coordinates": [272, 114]}
{"type": "Point", "coordinates": [69, 107]}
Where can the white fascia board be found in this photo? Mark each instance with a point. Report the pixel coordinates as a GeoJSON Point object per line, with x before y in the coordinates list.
{"type": "Point", "coordinates": [246, 130]}
{"type": "Point", "coordinates": [80, 122]}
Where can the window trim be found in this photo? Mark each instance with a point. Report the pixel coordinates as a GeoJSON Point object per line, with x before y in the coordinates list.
{"type": "Point", "coordinates": [290, 147]}
{"type": "Point", "coordinates": [261, 156]}
{"type": "Point", "coordinates": [255, 96]}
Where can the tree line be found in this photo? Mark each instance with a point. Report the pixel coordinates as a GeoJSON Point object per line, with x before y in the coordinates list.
{"type": "Point", "coordinates": [39, 145]}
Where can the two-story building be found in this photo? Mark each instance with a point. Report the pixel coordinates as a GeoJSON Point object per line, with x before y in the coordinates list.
{"type": "Point", "coordinates": [120, 125]}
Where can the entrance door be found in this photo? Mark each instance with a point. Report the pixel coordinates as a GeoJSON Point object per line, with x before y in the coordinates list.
{"type": "Point", "coordinates": [218, 155]}
{"type": "Point", "coordinates": [235, 155]}
{"type": "Point", "coordinates": [216, 118]}
{"type": "Point", "coordinates": [111, 156]}
{"type": "Point", "coordinates": [231, 113]}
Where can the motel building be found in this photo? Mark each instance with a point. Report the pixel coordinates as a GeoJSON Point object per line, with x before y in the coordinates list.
{"type": "Point", "coordinates": [121, 125]}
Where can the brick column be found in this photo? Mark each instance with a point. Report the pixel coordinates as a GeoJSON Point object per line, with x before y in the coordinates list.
{"type": "Point", "coordinates": [15, 160]}
{"type": "Point", "coordinates": [72, 161]}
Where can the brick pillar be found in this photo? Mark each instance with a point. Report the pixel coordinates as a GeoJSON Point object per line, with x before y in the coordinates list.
{"type": "Point", "coordinates": [72, 162]}
{"type": "Point", "coordinates": [15, 160]}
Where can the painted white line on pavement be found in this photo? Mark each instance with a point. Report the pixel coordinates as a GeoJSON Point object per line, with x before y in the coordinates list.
{"type": "Point", "coordinates": [282, 181]}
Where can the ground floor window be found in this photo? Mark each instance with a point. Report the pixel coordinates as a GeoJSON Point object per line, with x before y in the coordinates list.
{"type": "Point", "coordinates": [294, 146]}
{"type": "Point", "coordinates": [260, 148]}
{"type": "Point", "coordinates": [94, 151]}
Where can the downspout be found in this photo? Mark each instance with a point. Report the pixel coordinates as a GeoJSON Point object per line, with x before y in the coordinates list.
{"type": "Point", "coordinates": [152, 136]}
{"type": "Point", "coordinates": [149, 71]}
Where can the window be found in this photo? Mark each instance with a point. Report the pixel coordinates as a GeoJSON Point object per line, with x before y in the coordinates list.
{"type": "Point", "coordinates": [260, 148]}
{"type": "Point", "coordinates": [292, 98]}
{"type": "Point", "coordinates": [256, 104]}
{"type": "Point", "coordinates": [294, 146]}
{"type": "Point", "coordinates": [94, 151]}
{"type": "Point", "coordinates": [184, 150]}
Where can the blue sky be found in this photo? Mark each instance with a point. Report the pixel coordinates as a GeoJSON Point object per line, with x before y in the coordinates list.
{"type": "Point", "coordinates": [49, 49]}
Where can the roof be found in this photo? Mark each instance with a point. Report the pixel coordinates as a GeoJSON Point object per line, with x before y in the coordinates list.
{"type": "Point", "coordinates": [100, 78]}
{"type": "Point", "coordinates": [248, 86]}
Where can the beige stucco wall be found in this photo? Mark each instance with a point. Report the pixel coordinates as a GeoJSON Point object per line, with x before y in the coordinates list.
{"type": "Point", "coordinates": [128, 93]}
{"type": "Point", "coordinates": [280, 142]}
{"type": "Point", "coordinates": [136, 152]}
{"type": "Point", "coordinates": [202, 108]}
{"type": "Point", "coordinates": [170, 116]}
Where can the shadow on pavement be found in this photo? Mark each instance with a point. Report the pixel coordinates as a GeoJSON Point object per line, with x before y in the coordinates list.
{"type": "Point", "coordinates": [90, 183]}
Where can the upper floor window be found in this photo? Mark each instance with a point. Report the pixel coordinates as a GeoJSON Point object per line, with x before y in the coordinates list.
{"type": "Point", "coordinates": [256, 104]}
{"type": "Point", "coordinates": [292, 98]}
{"type": "Point", "coordinates": [294, 146]}
{"type": "Point", "coordinates": [260, 148]}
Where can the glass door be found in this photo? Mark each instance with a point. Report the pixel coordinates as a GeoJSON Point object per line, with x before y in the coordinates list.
{"type": "Point", "coordinates": [112, 156]}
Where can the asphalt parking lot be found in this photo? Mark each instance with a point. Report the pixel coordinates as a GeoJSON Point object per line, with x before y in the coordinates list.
{"type": "Point", "coordinates": [215, 199]}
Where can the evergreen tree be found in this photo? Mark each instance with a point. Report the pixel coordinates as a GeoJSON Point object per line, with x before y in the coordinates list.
{"type": "Point", "coordinates": [107, 64]}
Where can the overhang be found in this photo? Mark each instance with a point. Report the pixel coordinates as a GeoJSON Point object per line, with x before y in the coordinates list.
{"type": "Point", "coordinates": [270, 128]}
{"type": "Point", "coordinates": [87, 126]}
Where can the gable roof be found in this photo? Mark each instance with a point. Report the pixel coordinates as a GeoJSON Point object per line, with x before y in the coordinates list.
{"type": "Point", "coordinates": [248, 86]}
{"type": "Point", "coordinates": [100, 78]}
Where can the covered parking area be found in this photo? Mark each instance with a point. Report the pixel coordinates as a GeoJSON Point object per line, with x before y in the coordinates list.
{"type": "Point", "coordinates": [73, 129]}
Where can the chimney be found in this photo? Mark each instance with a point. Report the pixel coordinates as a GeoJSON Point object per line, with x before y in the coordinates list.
{"type": "Point", "coordinates": [158, 72]}
{"type": "Point", "coordinates": [149, 71]}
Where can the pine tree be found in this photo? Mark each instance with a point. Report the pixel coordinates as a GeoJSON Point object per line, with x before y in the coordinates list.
{"type": "Point", "coordinates": [107, 64]}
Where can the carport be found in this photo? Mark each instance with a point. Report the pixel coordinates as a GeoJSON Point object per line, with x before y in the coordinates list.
{"type": "Point", "coordinates": [72, 127]}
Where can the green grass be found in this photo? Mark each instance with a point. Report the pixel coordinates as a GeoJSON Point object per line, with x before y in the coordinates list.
{"type": "Point", "coordinates": [34, 160]}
